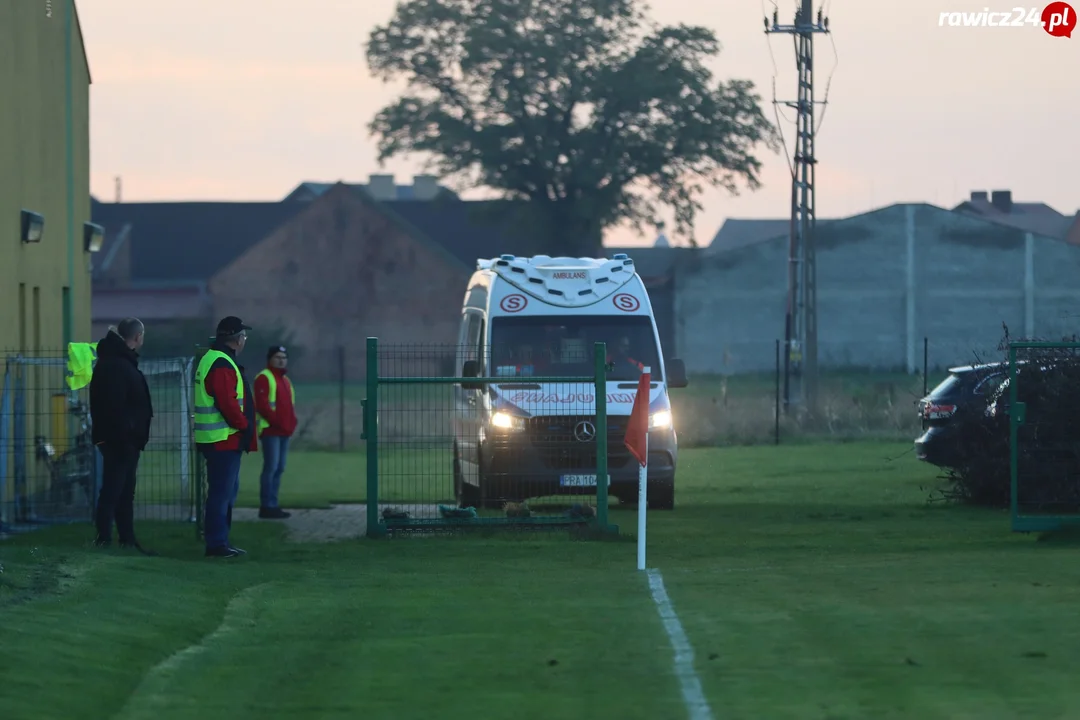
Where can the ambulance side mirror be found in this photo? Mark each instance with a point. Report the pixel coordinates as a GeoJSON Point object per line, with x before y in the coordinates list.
{"type": "Point", "coordinates": [676, 374]}
{"type": "Point", "coordinates": [470, 369]}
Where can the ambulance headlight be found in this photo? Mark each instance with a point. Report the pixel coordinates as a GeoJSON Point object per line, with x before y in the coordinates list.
{"type": "Point", "coordinates": [506, 421]}
{"type": "Point", "coordinates": [660, 420]}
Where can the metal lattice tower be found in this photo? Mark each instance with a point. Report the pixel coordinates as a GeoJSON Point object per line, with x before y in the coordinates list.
{"type": "Point", "coordinates": [800, 332]}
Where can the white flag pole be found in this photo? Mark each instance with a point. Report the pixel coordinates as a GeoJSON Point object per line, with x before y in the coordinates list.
{"type": "Point", "coordinates": [643, 500]}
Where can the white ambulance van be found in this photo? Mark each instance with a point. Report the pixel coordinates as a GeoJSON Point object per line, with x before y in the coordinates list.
{"type": "Point", "coordinates": [540, 317]}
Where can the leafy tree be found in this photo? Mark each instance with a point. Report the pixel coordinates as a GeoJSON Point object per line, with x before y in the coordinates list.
{"type": "Point", "coordinates": [583, 107]}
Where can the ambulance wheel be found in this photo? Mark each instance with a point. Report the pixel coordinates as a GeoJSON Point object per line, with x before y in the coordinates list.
{"type": "Point", "coordinates": [466, 495]}
{"type": "Point", "coordinates": [488, 495]}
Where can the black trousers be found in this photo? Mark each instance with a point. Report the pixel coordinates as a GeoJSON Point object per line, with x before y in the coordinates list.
{"type": "Point", "coordinates": [117, 498]}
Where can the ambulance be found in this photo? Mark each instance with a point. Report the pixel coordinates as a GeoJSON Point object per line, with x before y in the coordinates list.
{"type": "Point", "coordinates": [515, 439]}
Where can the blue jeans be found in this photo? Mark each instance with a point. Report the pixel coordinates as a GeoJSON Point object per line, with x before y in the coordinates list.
{"type": "Point", "coordinates": [223, 483]}
{"type": "Point", "coordinates": [275, 450]}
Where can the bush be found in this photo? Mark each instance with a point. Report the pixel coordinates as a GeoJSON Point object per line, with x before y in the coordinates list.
{"type": "Point", "coordinates": [741, 410]}
{"type": "Point", "coordinates": [1048, 461]}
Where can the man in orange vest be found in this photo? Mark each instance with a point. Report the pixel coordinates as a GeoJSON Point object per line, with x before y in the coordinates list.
{"type": "Point", "coordinates": [274, 403]}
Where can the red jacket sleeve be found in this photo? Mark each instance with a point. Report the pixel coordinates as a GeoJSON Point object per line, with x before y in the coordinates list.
{"type": "Point", "coordinates": [221, 385]}
{"type": "Point", "coordinates": [262, 399]}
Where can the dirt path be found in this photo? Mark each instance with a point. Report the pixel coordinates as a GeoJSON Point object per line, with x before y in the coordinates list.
{"type": "Point", "coordinates": [338, 522]}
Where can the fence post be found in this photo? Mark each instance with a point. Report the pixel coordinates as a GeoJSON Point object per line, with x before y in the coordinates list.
{"type": "Point", "coordinates": [600, 373]}
{"type": "Point", "coordinates": [341, 398]}
{"type": "Point", "coordinates": [371, 433]}
{"type": "Point", "coordinates": [776, 410]}
{"type": "Point", "coordinates": [199, 491]}
{"type": "Point", "coordinates": [1015, 418]}
{"type": "Point", "coordinates": [925, 363]}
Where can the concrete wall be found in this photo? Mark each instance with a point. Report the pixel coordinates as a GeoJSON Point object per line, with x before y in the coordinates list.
{"type": "Point", "coordinates": [886, 280]}
{"type": "Point", "coordinates": [44, 167]}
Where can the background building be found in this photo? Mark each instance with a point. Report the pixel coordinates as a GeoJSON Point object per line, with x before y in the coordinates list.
{"type": "Point", "coordinates": [887, 279]}
{"type": "Point", "coordinates": [45, 147]}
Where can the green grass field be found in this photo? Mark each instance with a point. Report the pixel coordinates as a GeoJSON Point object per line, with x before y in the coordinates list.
{"type": "Point", "coordinates": [811, 581]}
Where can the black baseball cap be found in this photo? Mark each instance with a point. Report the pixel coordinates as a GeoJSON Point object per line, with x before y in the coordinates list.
{"type": "Point", "coordinates": [231, 325]}
{"type": "Point", "coordinates": [276, 349]}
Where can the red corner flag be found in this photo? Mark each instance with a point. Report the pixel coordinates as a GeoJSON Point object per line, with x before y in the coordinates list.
{"type": "Point", "coordinates": [637, 430]}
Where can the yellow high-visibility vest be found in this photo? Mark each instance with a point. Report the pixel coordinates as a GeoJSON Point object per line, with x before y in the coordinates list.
{"type": "Point", "coordinates": [261, 422]}
{"type": "Point", "coordinates": [80, 364]}
{"type": "Point", "coordinates": [210, 425]}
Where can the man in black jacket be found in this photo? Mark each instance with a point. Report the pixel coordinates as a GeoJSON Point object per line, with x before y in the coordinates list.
{"type": "Point", "coordinates": [120, 414]}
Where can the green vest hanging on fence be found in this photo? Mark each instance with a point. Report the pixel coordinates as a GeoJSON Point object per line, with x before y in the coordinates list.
{"type": "Point", "coordinates": [80, 364]}
{"type": "Point", "coordinates": [271, 380]}
{"type": "Point", "coordinates": [210, 425]}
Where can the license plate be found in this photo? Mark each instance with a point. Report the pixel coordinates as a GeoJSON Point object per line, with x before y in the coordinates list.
{"type": "Point", "coordinates": [580, 480]}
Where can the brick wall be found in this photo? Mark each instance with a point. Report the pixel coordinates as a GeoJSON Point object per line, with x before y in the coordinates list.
{"type": "Point", "coordinates": [337, 273]}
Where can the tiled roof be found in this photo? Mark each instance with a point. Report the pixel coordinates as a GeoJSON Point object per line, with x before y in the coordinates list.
{"type": "Point", "coordinates": [173, 241]}
{"type": "Point", "coordinates": [1035, 217]}
{"type": "Point", "coordinates": [472, 229]}
{"type": "Point", "coordinates": [191, 241]}
{"type": "Point", "coordinates": [740, 232]}
{"type": "Point", "coordinates": [308, 190]}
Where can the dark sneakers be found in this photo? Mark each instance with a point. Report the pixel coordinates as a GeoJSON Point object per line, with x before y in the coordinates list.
{"type": "Point", "coordinates": [237, 550]}
{"type": "Point", "coordinates": [273, 514]}
{"type": "Point", "coordinates": [223, 552]}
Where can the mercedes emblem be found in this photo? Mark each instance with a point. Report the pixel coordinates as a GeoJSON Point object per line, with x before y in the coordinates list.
{"type": "Point", "coordinates": [585, 431]}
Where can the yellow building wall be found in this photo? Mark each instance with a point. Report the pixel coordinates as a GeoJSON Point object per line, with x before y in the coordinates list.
{"type": "Point", "coordinates": [44, 167]}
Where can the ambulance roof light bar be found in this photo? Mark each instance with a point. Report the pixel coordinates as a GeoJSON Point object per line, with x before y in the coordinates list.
{"type": "Point", "coordinates": [563, 281]}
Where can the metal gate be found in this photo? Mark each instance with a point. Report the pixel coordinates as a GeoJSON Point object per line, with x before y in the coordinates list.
{"type": "Point", "coordinates": [450, 448]}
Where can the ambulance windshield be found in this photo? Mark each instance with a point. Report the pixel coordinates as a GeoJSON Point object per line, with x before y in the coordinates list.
{"type": "Point", "coordinates": [562, 346]}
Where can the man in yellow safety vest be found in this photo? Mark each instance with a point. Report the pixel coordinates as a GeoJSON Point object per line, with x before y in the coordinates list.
{"type": "Point", "coordinates": [275, 397]}
{"type": "Point", "coordinates": [224, 430]}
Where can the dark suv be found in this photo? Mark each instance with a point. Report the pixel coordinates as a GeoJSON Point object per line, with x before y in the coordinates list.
{"type": "Point", "coordinates": [970, 384]}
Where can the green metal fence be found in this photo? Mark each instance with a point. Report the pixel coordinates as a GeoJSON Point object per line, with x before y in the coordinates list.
{"type": "Point", "coordinates": [1041, 399]}
{"type": "Point", "coordinates": [449, 449]}
{"type": "Point", "coordinates": [50, 471]}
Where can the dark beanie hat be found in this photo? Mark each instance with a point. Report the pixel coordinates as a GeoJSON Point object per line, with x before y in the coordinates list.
{"type": "Point", "coordinates": [274, 350]}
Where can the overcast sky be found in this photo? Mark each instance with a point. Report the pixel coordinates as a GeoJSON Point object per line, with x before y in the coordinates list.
{"type": "Point", "coordinates": [242, 100]}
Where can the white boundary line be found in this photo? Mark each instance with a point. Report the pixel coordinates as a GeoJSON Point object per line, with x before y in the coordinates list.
{"type": "Point", "coordinates": [693, 697]}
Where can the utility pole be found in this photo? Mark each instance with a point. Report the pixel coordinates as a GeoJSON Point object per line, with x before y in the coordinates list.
{"type": "Point", "coordinates": [801, 329]}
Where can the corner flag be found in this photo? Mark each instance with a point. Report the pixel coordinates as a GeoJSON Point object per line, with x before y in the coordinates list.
{"type": "Point", "coordinates": [637, 429]}
{"type": "Point", "coordinates": [637, 442]}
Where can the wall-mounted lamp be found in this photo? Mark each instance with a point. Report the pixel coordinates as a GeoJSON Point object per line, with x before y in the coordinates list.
{"type": "Point", "coordinates": [33, 226]}
{"type": "Point", "coordinates": [93, 237]}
